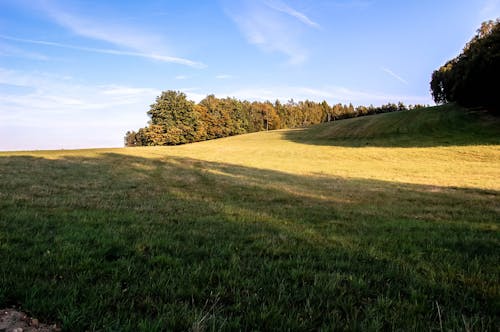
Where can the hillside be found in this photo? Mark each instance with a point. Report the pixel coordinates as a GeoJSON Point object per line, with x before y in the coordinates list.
{"type": "Point", "coordinates": [375, 223]}
{"type": "Point", "coordinates": [435, 126]}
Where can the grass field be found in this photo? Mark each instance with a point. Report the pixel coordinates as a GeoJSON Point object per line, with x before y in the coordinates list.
{"type": "Point", "coordinates": [386, 222]}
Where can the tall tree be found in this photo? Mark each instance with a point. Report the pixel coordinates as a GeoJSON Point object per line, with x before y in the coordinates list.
{"type": "Point", "coordinates": [174, 116]}
{"type": "Point", "coordinates": [470, 78]}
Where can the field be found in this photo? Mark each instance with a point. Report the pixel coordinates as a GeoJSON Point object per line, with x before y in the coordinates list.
{"type": "Point", "coordinates": [385, 222]}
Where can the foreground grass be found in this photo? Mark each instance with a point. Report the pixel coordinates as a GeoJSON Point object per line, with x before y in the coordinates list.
{"type": "Point", "coordinates": [285, 230]}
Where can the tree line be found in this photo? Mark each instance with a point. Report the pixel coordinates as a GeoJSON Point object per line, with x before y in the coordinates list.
{"type": "Point", "coordinates": [471, 79]}
{"type": "Point", "coordinates": [176, 120]}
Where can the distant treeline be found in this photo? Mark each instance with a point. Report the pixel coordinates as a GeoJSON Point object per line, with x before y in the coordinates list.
{"type": "Point", "coordinates": [177, 120]}
{"type": "Point", "coordinates": [471, 79]}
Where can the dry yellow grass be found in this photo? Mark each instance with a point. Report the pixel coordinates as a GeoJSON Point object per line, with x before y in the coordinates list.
{"type": "Point", "coordinates": [476, 166]}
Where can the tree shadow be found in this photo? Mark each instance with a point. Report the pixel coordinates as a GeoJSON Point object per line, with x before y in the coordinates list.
{"type": "Point", "coordinates": [124, 242]}
{"type": "Point", "coordinates": [445, 126]}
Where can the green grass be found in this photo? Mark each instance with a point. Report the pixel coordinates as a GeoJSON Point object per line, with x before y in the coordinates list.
{"type": "Point", "coordinates": [286, 230]}
{"type": "Point", "coordinates": [446, 125]}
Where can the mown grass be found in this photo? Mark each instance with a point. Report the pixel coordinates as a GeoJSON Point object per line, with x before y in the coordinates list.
{"type": "Point", "coordinates": [283, 230]}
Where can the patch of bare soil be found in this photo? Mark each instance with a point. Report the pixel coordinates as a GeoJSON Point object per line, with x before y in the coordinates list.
{"type": "Point", "coordinates": [12, 320]}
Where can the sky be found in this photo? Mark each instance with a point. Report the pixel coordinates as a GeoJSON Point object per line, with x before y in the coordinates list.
{"type": "Point", "coordinates": [80, 73]}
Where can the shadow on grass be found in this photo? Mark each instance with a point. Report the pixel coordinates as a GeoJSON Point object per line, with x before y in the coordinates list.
{"type": "Point", "coordinates": [130, 243]}
{"type": "Point", "coordinates": [443, 126]}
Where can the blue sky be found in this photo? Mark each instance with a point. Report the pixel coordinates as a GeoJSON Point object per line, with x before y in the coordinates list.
{"type": "Point", "coordinates": [77, 74]}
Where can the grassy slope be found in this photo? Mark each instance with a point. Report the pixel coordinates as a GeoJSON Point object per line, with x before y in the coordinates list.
{"type": "Point", "coordinates": [436, 126]}
{"type": "Point", "coordinates": [301, 229]}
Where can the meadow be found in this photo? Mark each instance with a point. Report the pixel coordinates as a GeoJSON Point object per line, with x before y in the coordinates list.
{"type": "Point", "coordinates": [385, 222]}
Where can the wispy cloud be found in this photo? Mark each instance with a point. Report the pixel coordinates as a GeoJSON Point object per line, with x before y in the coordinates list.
{"type": "Point", "coordinates": [13, 51]}
{"type": "Point", "coordinates": [284, 8]}
{"type": "Point", "coordinates": [117, 34]}
{"type": "Point", "coordinates": [49, 98]}
{"type": "Point", "coordinates": [272, 25]}
{"type": "Point", "coordinates": [134, 40]}
{"type": "Point", "coordinates": [393, 74]}
{"type": "Point", "coordinates": [153, 56]}
{"type": "Point", "coordinates": [41, 110]}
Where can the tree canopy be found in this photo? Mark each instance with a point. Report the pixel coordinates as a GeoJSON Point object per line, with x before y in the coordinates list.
{"type": "Point", "coordinates": [471, 78]}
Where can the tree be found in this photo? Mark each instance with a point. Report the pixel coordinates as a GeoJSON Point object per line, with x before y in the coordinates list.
{"type": "Point", "coordinates": [174, 119]}
{"type": "Point", "coordinates": [239, 118]}
{"type": "Point", "coordinates": [131, 139]}
{"type": "Point", "coordinates": [469, 79]}
{"type": "Point", "coordinates": [213, 117]}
